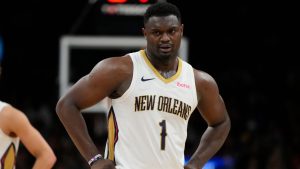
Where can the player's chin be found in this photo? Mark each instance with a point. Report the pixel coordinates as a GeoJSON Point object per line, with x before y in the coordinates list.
{"type": "Point", "coordinates": [165, 54]}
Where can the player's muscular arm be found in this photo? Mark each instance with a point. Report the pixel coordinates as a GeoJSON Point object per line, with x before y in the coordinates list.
{"type": "Point", "coordinates": [213, 110]}
{"type": "Point", "coordinates": [17, 124]}
{"type": "Point", "coordinates": [106, 78]}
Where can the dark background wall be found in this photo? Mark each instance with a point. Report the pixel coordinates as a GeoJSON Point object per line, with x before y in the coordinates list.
{"type": "Point", "coordinates": [249, 47]}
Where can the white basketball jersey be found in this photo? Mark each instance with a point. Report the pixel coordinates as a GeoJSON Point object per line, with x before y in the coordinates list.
{"type": "Point", "coordinates": [8, 147]}
{"type": "Point", "coordinates": [148, 123]}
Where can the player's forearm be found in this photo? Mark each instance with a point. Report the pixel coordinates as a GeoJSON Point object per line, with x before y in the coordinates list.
{"type": "Point", "coordinates": [75, 125]}
{"type": "Point", "coordinates": [45, 161]}
{"type": "Point", "coordinates": [211, 141]}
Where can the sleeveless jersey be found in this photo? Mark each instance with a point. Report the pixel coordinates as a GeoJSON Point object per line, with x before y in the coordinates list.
{"type": "Point", "coordinates": [147, 125]}
{"type": "Point", "coordinates": [8, 147]}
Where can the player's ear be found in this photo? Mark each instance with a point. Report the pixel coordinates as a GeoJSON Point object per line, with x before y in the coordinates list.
{"type": "Point", "coordinates": [144, 33]}
{"type": "Point", "coordinates": [182, 26]}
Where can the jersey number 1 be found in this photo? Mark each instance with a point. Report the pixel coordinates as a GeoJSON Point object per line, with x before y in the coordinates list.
{"type": "Point", "coordinates": [163, 134]}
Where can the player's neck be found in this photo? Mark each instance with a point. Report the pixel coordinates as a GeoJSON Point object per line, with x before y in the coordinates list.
{"type": "Point", "coordinates": [166, 67]}
{"type": "Point", "coordinates": [167, 74]}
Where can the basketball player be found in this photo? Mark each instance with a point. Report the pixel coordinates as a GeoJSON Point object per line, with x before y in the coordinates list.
{"type": "Point", "coordinates": [15, 127]}
{"type": "Point", "coordinates": [153, 94]}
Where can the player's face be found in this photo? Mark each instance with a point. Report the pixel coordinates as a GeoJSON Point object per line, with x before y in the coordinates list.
{"type": "Point", "coordinates": [163, 35]}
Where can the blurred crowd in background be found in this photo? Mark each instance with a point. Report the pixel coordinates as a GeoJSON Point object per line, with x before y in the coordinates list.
{"type": "Point", "coordinates": [248, 47]}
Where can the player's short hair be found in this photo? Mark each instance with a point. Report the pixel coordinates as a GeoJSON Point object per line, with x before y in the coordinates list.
{"type": "Point", "coordinates": [162, 9]}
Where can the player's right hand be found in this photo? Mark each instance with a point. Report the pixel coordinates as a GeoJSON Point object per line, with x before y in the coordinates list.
{"type": "Point", "coordinates": [103, 164]}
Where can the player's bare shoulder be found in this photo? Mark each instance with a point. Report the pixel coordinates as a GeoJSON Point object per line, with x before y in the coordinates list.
{"type": "Point", "coordinates": [205, 83]}
{"type": "Point", "coordinates": [118, 63]}
{"type": "Point", "coordinates": [10, 119]}
{"type": "Point", "coordinates": [203, 78]}
{"type": "Point", "coordinates": [116, 67]}
{"type": "Point", "coordinates": [114, 72]}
